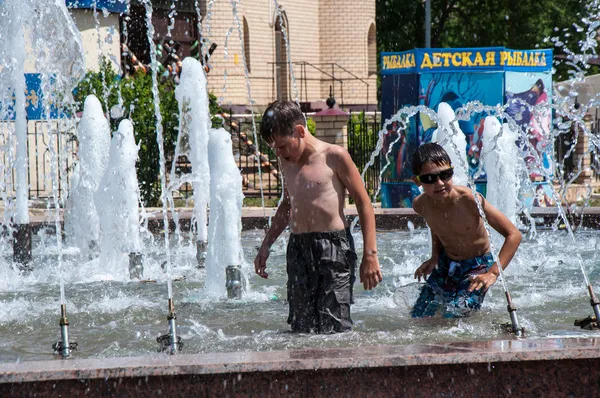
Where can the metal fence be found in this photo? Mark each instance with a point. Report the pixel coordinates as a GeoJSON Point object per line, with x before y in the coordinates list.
{"type": "Point", "coordinates": [250, 151]}
{"type": "Point", "coordinates": [362, 139]}
{"type": "Point", "coordinates": [40, 149]}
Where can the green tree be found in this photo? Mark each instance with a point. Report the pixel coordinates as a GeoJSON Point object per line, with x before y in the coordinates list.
{"type": "Point", "coordinates": [138, 103]}
{"type": "Point", "coordinates": [517, 24]}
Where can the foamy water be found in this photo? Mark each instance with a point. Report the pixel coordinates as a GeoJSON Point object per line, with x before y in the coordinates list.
{"type": "Point", "coordinates": [113, 316]}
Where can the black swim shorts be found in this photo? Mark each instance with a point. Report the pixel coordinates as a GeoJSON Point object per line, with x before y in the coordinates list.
{"type": "Point", "coordinates": [321, 268]}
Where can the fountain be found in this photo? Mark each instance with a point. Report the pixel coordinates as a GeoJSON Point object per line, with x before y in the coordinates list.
{"type": "Point", "coordinates": [94, 144]}
{"type": "Point", "coordinates": [116, 199]}
{"type": "Point", "coordinates": [117, 317]}
{"type": "Point", "coordinates": [225, 226]}
{"type": "Point", "coordinates": [454, 144]}
{"type": "Point", "coordinates": [501, 161]}
{"type": "Point", "coordinates": [192, 96]}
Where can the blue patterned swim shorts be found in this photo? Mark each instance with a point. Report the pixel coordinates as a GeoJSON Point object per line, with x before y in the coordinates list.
{"type": "Point", "coordinates": [447, 286]}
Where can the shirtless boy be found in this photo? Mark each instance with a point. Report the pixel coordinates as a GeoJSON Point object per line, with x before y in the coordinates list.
{"type": "Point", "coordinates": [321, 259]}
{"type": "Point", "coordinates": [462, 267]}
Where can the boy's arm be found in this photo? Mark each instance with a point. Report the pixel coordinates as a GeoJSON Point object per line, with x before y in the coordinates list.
{"type": "Point", "coordinates": [280, 221]}
{"type": "Point", "coordinates": [370, 273]}
{"type": "Point", "coordinates": [512, 240]}
{"type": "Point", "coordinates": [436, 245]}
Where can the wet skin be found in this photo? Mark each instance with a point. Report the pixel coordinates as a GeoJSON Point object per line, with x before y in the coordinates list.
{"type": "Point", "coordinates": [316, 176]}
{"type": "Point", "coordinates": [456, 226]}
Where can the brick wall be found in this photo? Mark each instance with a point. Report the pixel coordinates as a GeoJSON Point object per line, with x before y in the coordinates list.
{"type": "Point", "coordinates": [110, 41]}
{"type": "Point", "coordinates": [319, 31]}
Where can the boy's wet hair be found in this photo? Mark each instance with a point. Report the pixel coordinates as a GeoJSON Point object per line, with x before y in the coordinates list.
{"type": "Point", "coordinates": [429, 153]}
{"type": "Point", "coordinates": [279, 120]}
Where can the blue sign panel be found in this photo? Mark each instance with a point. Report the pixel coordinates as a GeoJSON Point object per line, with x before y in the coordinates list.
{"type": "Point", "coordinates": [489, 59]}
{"type": "Point", "coordinates": [110, 5]}
{"type": "Point", "coordinates": [34, 101]}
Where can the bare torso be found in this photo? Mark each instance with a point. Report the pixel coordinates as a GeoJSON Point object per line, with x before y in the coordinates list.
{"type": "Point", "coordinates": [457, 224]}
{"type": "Point", "coordinates": [316, 192]}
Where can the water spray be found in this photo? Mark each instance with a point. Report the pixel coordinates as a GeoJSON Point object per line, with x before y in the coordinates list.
{"type": "Point", "coordinates": [171, 340]}
{"type": "Point", "coordinates": [64, 347]}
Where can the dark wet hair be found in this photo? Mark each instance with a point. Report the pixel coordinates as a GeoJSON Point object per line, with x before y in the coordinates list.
{"type": "Point", "coordinates": [279, 120]}
{"type": "Point", "coordinates": [429, 153]}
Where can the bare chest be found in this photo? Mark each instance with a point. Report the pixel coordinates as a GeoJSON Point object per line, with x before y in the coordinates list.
{"type": "Point", "coordinates": [454, 224]}
{"type": "Point", "coordinates": [309, 180]}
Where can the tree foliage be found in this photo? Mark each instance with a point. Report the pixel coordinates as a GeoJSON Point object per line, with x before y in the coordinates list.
{"type": "Point", "coordinates": [516, 24]}
{"type": "Point", "coordinates": [138, 104]}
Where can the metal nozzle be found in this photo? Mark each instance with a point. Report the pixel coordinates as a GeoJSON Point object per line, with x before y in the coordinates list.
{"type": "Point", "coordinates": [512, 312]}
{"type": "Point", "coordinates": [233, 282]}
{"type": "Point", "coordinates": [136, 268]}
{"type": "Point", "coordinates": [170, 342]}
{"type": "Point", "coordinates": [64, 347]}
{"type": "Point", "coordinates": [201, 247]}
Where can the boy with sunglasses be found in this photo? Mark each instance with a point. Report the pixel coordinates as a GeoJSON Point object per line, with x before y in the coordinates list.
{"type": "Point", "coordinates": [320, 254]}
{"type": "Point", "coordinates": [461, 268]}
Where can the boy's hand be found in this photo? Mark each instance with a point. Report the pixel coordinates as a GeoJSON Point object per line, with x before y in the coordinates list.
{"type": "Point", "coordinates": [482, 281]}
{"type": "Point", "coordinates": [425, 269]}
{"type": "Point", "coordinates": [370, 273]}
{"type": "Point", "coordinates": [260, 262]}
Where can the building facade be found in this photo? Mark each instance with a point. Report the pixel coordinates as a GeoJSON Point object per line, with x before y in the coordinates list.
{"type": "Point", "coordinates": [302, 50]}
{"type": "Point", "coordinates": [331, 45]}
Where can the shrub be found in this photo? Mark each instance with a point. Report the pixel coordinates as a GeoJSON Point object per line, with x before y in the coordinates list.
{"type": "Point", "coordinates": [138, 104]}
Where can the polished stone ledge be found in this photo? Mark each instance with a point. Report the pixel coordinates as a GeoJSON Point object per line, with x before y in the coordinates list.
{"type": "Point", "coordinates": [385, 219]}
{"type": "Point", "coordinates": [457, 353]}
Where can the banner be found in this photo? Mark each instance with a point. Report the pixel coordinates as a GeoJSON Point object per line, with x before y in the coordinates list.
{"type": "Point", "coordinates": [490, 59]}
{"type": "Point", "coordinates": [531, 89]}
{"type": "Point", "coordinates": [108, 5]}
{"type": "Point", "coordinates": [397, 92]}
{"type": "Point", "coordinates": [457, 89]}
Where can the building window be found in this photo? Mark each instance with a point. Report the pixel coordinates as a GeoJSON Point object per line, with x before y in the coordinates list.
{"type": "Point", "coordinates": [372, 51]}
{"type": "Point", "coordinates": [247, 44]}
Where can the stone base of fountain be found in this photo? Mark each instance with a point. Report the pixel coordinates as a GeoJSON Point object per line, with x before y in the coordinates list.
{"type": "Point", "coordinates": [136, 268]}
{"type": "Point", "coordinates": [22, 245]}
{"type": "Point", "coordinates": [559, 367]}
{"type": "Point", "coordinates": [201, 248]}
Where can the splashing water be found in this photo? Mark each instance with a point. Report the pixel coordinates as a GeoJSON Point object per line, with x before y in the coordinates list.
{"type": "Point", "coordinates": [225, 224]}
{"type": "Point", "coordinates": [117, 201]}
{"type": "Point", "coordinates": [160, 141]}
{"type": "Point", "coordinates": [192, 96]}
{"type": "Point", "coordinates": [501, 159]}
{"type": "Point", "coordinates": [454, 144]}
{"type": "Point", "coordinates": [93, 134]}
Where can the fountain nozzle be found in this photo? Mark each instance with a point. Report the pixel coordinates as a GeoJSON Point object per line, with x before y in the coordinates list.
{"type": "Point", "coordinates": [170, 342]}
{"type": "Point", "coordinates": [594, 301]}
{"type": "Point", "coordinates": [64, 347]}
{"type": "Point", "coordinates": [233, 282]}
{"type": "Point", "coordinates": [591, 322]}
{"type": "Point", "coordinates": [512, 311]}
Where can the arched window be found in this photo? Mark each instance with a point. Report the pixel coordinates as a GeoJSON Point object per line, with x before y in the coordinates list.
{"type": "Point", "coordinates": [372, 51]}
{"type": "Point", "coordinates": [247, 44]}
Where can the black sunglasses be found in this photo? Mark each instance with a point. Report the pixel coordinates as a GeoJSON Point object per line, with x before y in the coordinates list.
{"type": "Point", "coordinates": [443, 175]}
